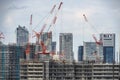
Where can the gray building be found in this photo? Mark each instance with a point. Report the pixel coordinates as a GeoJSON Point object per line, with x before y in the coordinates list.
{"type": "Point", "coordinates": [31, 70]}
{"type": "Point", "coordinates": [92, 52]}
{"type": "Point", "coordinates": [22, 35]}
{"type": "Point", "coordinates": [63, 70]}
{"type": "Point", "coordinates": [66, 46]}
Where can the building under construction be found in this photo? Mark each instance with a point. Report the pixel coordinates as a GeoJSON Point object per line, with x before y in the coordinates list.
{"type": "Point", "coordinates": [56, 70]}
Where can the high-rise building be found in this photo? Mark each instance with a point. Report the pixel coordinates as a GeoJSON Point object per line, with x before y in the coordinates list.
{"type": "Point", "coordinates": [4, 62]}
{"type": "Point", "coordinates": [80, 53]}
{"type": "Point", "coordinates": [9, 62]}
{"type": "Point", "coordinates": [92, 52]}
{"type": "Point", "coordinates": [66, 46]}
{"type": "Point", "coordinates": [14, 62]}
{"type": "Point", "coordinates": [22, 35]}
{"type": "Point", "coordinates": [108, 41]}
{"type": "Point", "coordinates": [53, 47]}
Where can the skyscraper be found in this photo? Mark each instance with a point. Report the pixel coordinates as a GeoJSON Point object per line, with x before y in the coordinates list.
{"type": "Point", "coordinates": [80, 53]}
{"type": "Point", "coordinates": [9, 62]}
{"type": "Point", "coordinates": [66, 46]}
{"type": "Point", "coordinates": [108, 41]}
{"type": "Point", "coordinates": [22, 35]}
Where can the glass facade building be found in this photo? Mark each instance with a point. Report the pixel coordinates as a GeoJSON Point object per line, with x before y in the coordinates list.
{"type": "Point", "coordinates": [22, 35]}
{"type": "Point", "coordinates": [108, 47]}
{"type": "Point", "coordinates": [80, 53]}
{"type": "Point", "coordinates": [109, 55]}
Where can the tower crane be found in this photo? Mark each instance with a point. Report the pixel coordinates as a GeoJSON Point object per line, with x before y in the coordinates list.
{"type": "Point", "coordinates": [38, 34]}
{"type": "Point", "coordinates": [98, 42]}
{"type": "Point", "coordinates": [27, 50]}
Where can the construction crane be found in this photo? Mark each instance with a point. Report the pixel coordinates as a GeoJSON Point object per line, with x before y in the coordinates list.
{"type": "Point", "coordinates": [98, 42]}
{"type": "Point", "coordinates": [55, 16]}
{"type": "Point", "coordinates": [27, 50]}
{"type": "Point", "coordinates": [38, 34]}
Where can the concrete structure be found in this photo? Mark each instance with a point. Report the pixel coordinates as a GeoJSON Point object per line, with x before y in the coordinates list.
{"type": "Point", "coordinates": [108, 47]}
{"type": "Point", "coordinates": [81, 71]}
{"type": "Point", "coordinates": [92, 52]}
{"type": "Point", "coordinates": [66, 46]}
{"type": "Point", "coordinates": [80, 53]}
{"type": "Point", "coordinates": [31, 70]}
{"type": "Point", "coordinates": [22, 35]}
{"type": "Point", "coordinates": [62, 70]}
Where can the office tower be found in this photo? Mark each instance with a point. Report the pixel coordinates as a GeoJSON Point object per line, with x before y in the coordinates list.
{"type": "Point", "coordinates": [92, 52]}
{"type": "Point", "coordinates": [89, 50]}
{"type": "Point", "coordinates": [108, 41]}
{"type": "Point", "coordinates": [22, 35]}
{"type": "Point", "coordinates": [66, 46]}
{"type": "Point", "coordinates": [54, 47]}
{"type": "Point", "coordinates": [9, 62]}
{"type": "Point", "coordinates": [80, 53]}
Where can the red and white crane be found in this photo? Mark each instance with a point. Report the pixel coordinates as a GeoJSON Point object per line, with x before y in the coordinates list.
{"type": "Point", "coordinates": [98, 42]}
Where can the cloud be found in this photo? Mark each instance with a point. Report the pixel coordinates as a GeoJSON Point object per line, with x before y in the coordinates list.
{"type": "Point", "coordinates": [13, 7]}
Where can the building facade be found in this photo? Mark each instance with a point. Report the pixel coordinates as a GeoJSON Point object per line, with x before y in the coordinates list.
{"type": "Point", "coordinates": [80, 53]}
{"type": "Point", "coordinates": [92, 52]}
{"type": "Point", "coordinates": [66, 46]}
{"type": "Point", "coordinates": [108, 41]}
{"type": "Point", "coordinates": [22, 35]}
{"type": "Point", "coordinates": [9, 62]}
{"type": "Point", "coordinates": [31, 70]}
{"type": "Point", "coordinates": [81, 71]}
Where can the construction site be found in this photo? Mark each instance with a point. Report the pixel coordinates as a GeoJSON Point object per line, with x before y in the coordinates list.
{"type": "Point", "coordinates": [26, 60]}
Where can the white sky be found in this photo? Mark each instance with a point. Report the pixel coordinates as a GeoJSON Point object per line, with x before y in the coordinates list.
{"type": "Point", "coordinates": [104, 15]}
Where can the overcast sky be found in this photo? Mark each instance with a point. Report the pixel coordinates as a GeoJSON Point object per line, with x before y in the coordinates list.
{"type": "Point", "coordinates": [103, 15]}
